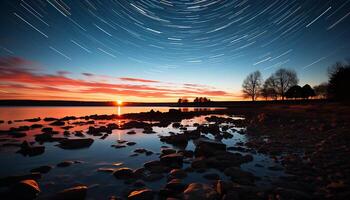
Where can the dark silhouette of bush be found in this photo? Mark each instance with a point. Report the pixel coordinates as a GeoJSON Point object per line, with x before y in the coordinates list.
{"type": "Point", "coordinates": [339, 82]}
{"type": "Point", "coordinates": [307, 91]}
{"type": "Point", "coordinates": [321, 90]}
{"type": "Point", "coordinates": [294, 92]}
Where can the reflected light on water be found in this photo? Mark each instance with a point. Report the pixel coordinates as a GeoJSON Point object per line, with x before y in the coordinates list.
{"type": "Point", "coordinates": [119, 111]}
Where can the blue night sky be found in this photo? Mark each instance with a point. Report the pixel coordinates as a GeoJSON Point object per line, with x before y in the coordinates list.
{"type": "Point", "coordinates": [160, 50]}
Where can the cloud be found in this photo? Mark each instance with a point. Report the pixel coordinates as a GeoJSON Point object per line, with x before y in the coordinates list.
{"type": "Point", "coordinates": [87, 74]}
{"type": "Point", "coordinates": [138, 80]}
{"type": "Point", "coordinates": [19, 77]}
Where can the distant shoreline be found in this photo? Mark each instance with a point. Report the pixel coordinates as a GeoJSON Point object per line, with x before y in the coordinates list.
{"type": "Point", "coordinates": [57, 103]}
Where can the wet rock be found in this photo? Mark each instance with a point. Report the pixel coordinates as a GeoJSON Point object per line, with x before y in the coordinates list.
{"type": "Point", "coordinates": [47, 137]}
{"type": "Point", "coordinates": [167, 151]}
{"type": "Point", "coordinates": [42, 169]}
{"type": "Point", "coordinates": [74, 193]}
{"type": "Point", "coordinates": [75, 143]}
{"type": "Point", "coordinates": [148, 130]}
{"type": "Point", "coordinates": [47, 130]}
{"type": "Point", "coordinates": [144, 194]}
{"type": "Point", "coordinates": [134, 124]}
{"type": "Point", "coordinates": [174, 158]}
{"type": "Point", "coordinates": [58, 123]}
{"type": "Point", "coordinates": [50, 119]}
{"type": "Point", "coordinates": [34, 126]}
{"type": "Point", "coordinates": [207, 147]}
{"type": "Point", "coordinates": [140, 150]}
{"type": "Point", "coordinates": [119, 146]}
{"type": "Point", "coordinates": [25, 189]}
{"type": "Point", "coordinates": [123, 173]}
{"type": "Point", "coordinates": [178, 140]}
{"type": "Point", "coordinates": [131, 132]}
{"type": "Point", "coordinates": [16, 134]}
{"type": "Point", "coordinates": [176, 185]}
{"type": "Point", "coordinates": [79, 134]}
{"type": "Point", "coordinates": [155, 166]}
{"type": "Point", "coordinates": [10, 180]}
{"type": "Point", "coordinates": [195, 191]}
{"type": "Point", "coordinates": [130, 143]}
{"type": "Point", "coordinates": [29, 150]}
{"type": "Point", "coordinates": [66, 163]}
{"type": "Point", "coordinates": [108, 170]}
{"type": "Point", "coordinates": [177, 174]}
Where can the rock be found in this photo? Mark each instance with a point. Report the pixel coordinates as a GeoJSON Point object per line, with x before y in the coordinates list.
{"type": "Point", "coordinates": [10, 180]}
{"type": "Point", "coordinates": [29, 150]}
{"type": "Point", "coordinates": [211, 176]}
{"type": "Point", "coordinates": [130, 143]}
{"type": "Point", "coordinates": [25, 189]}
{"type": "Point", "coordinates": [148, 130]}
{"type": "Point", "coordinates": [195, 191]}
{"type": "Point", "coordinates": [75, 143]}
{"type": "Point", "coordinates": [42, 169]}
{"type": "Point", "coordinates": [65, 163]}
{"type": "Point", "coordinates": [176, 185]}
{"type": "Point", "coordinates": [174, 158]}
{"type": "Point", "coordinates": [123, 173]}
{"type": "Point", "coordinates": [144, 194]}
{"type": "Point", "coordinates": [58, 123]}
{"type": "Point", "coordinates": [131, 132]}
{"type": "Point", "coordinates": [74, 193]}
{"type": "Point", "coordinates": [155, 166]}
{"type": "Point", "coordinates": [108, 170]}
{"type": "Point", "coordinates": [168, 151]}
{"type": "Point", "coordinates": [177, 174]}
{"type": "Point", "coordinates": [140, 150]}
{"type": "Point", "coordinates": [119, 146]}
{"type": "Point", "coordinates": [178, 140]}
{"type": "Point", "coordinates": [207, 147]}
{"type": "Point", "coordinates": [16, 134]}
{"type": "Point", "coordinates": [34, 126]}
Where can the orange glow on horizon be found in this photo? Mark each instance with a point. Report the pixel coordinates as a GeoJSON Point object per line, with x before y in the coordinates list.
{"type": "Point", "coordinates": [119, 102]}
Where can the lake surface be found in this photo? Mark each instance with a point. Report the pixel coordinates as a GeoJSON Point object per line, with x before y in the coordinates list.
{"type": "Point", "coordinates": [101, 154]}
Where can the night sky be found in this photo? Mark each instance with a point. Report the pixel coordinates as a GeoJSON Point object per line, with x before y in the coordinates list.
{"type": "Point", "coordinates": [160, 50]}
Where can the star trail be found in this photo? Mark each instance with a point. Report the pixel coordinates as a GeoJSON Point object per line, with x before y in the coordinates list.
{"type": "Point", "coordinates": [212, 44]}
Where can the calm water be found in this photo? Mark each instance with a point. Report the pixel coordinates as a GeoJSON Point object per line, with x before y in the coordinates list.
{"type": "Point", "coordinates": [16, 113]}
{"type": "Point", "coordinates": [101, 154]}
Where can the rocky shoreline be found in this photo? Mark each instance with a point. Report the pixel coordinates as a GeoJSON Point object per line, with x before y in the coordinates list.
{"type": "Point", "coordinates": [310, 144]}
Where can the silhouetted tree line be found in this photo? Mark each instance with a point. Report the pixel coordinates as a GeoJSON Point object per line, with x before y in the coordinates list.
{"type": "Point", "coordinates": [284, 84]}
{"type": "Point", "coordinates": [197, 100]}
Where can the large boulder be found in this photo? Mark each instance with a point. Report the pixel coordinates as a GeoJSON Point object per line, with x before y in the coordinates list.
{"type": "Point", "coordinates": [143, 194]}
{"type": "Point", "coordinates": [74, 193]}
{"type": "Point", "coordinates": [76, 143]}
{"type": "Point", "coordinates": [207, 147]}
{"type": "Point", "coordinates": [195, 191]}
